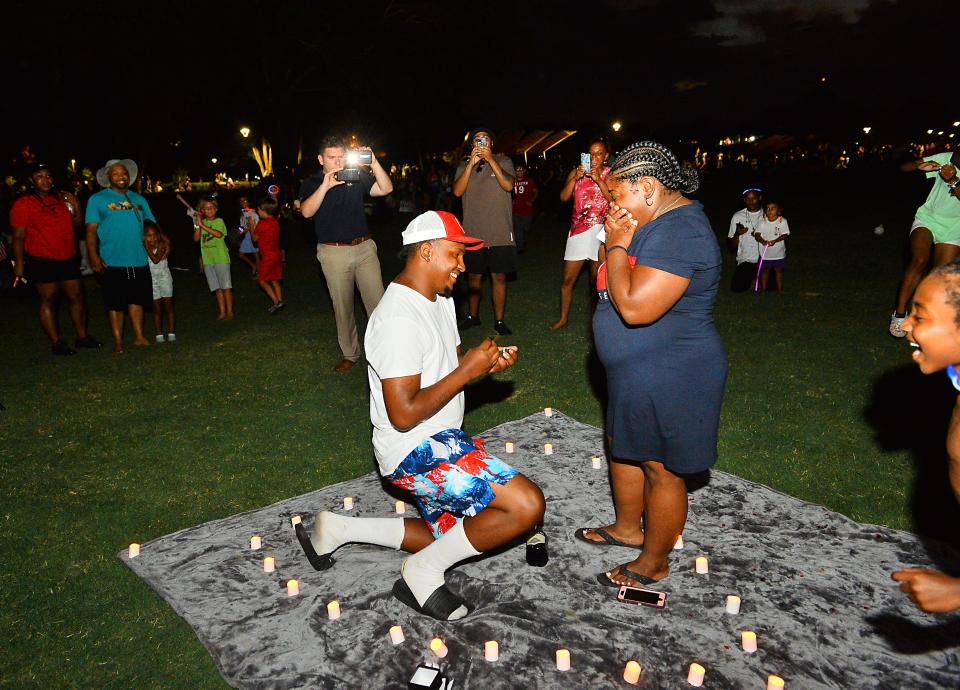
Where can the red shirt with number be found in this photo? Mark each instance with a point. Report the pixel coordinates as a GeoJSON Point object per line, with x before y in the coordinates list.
{"type": "Point", "coordinates": [523, 193]}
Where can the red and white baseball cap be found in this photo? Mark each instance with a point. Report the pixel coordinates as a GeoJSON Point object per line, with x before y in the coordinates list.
{"type": "Point", "coordinates": [439, 225]}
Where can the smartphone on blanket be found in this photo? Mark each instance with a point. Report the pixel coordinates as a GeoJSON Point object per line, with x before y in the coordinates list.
{"type": "Point", "coordinates": [642, 597]}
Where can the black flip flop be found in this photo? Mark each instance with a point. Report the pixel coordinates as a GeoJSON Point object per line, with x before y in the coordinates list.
{"type": "Point", "coordinates": [605, 580]}
{"type": "Point", "coordinates": [439, 605]}
{"type": "Point", "coordinates": [318, 562]}
{"type": "Point", "coordinates": [608, 539]}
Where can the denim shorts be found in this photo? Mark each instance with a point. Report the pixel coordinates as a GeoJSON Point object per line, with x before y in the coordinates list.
{"type": "Point", "coordinates": [450, 474]}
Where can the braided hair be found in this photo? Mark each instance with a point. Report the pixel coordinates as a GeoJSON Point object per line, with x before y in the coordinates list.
{"type": "Point", "coordinates": [652, 159]}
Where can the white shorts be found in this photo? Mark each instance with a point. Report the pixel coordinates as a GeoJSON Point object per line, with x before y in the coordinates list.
{"type": "Point", "coordinates": [584, 245]}
{"type": "Point", "coordinates": [162, 282]}
{"type": "Point", "coordinates": [917, 223]}
{"type": "Point", "coordinates": [218, 277]}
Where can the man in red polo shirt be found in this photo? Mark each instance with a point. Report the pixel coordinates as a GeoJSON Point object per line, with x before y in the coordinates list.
{"type": "Point", "coordinates": [45, 254]}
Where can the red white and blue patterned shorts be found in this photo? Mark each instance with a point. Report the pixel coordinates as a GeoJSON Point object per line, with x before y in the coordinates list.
{"type": "Point", "coordinates": [450, 474]}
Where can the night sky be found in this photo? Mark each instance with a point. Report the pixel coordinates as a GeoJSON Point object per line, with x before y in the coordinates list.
{"type": "Point", "coordinates": [173, 82]}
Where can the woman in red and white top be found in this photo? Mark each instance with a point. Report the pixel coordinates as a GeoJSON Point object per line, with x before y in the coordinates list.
{"type": "Point", "coordinates": [591, 199]}
{"type": "Point", "coordinates": [45, 254]}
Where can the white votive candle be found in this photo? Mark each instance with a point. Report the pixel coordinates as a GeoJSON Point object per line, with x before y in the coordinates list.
{"type": "Point", "coordinates": [631, 673]}
{"type": "Point", "coordinates": [774, 683]}
{"type": "Point", "coordinates": [548, 411]}
{"type": "Point", "coordinates": [695, 675]}
{"type": "Point", "coordinates": [293, 588]}
{"type": "Point", "coordinates": [491, 650]}
{"type": "Point", "coordinates": [678, 544]}
{"type": "Point", "coordinates": [401, 507]}
{"type": "Point", "coordinates": [348, 502]}
{"type": "Point", "coordinates": [596, 463]}
{"type": "Point", "coordinates": [748, 639]}
{"type": "Point", "coordinates": [438, 647]}
{"type": "Point", "coordinates": [563, 659]}
{"type": "Point", "coordinates": [396, 634]}
{"type": "Point", "coordinates": [134, 550]}
{"type": "Point", "coordinates": [509, 446]}
{"type": "Point", "coordinates": [548, 449]}
{"type": "Point", "coordinates": [255, 542]}
{"type": "Point", "coordinates": [295, 520]}
{"type": "Point", "coordinates": [702, 567]}
{"type": "Point", "coordinates": [333, 610]}
{"type": "Point", "coordinates": [269, 564]}
{"type": "Point", "coordinates": [733, 604]}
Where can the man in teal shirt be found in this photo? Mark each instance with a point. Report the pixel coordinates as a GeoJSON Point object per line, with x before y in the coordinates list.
{"type": "Point", "coordinates": [114, 221]}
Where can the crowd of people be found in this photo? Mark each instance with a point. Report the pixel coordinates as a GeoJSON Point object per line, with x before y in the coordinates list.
{"type": "Point", "coordinates": [655, 264]}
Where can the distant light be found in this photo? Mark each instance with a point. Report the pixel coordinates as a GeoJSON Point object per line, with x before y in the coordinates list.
{"type": "Point", "coordinates": [616, 126]}
{"type": "Point", "coordinates": [957, 123]}
{"type": "Point", "coordinates": [951, 135]}
{"type": "Point", "coordinates": [866, 130]}
{"type": "Point", "coordinates": [213, 160]}
{"type": "Point", "coordinates": [929, 131]}
{"type": "Point", "coordinates": [73, 162]}
{"type": "Point", "coordinates": [245, 132]}
{"type": "Point", "coordinates": [823, 80]}
{"type": "Point", "coordinates": [940, 133]}
{"type": "Point", "coordinates": [752, 138]}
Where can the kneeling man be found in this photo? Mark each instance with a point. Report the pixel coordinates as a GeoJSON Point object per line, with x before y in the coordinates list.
{"type": "Point", "coordinates": [471, 502]}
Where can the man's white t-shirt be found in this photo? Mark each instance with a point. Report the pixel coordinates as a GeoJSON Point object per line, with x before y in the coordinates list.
{"type": "Point", "coordinates": [748, 249]}
{"type": "Point", "coordinates": [771, 230]}
{"type": "Point", "coordinates": [408, 334]}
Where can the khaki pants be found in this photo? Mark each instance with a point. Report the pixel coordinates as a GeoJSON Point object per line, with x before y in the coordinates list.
{"type": "Point", "coordinates": [344, 267]}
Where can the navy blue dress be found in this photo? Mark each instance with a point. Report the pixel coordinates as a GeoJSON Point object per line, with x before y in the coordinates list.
{"type": "Point", "coordinates": [665, 380]}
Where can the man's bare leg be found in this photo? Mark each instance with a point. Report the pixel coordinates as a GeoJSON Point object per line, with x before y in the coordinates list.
{"type": "Point", "coordinates": [136, 320]}
{"type": "Point", "coordinates": [498, 288]}
{"type": "Point", "coordinates": [474, 290]}
{"type": "Point", "coordinates": [116, 328]}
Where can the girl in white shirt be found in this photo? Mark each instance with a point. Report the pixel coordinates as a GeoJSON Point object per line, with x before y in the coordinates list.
{"type": "Point", "coordinates": [772, 232]}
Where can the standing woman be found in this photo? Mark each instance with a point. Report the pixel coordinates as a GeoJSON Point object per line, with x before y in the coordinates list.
{"type": "Point", "coordinates": [591, 199]}
{"type": "Point", "coordinates": [45, 254]}
{"type": "Point", "coordinates": [666, 367]}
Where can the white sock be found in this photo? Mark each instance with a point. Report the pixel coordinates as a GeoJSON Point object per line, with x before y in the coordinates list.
{"type": "Point", "coordinates": [423, 571]}
{"type": "Point", "coordinates": [332, 531]}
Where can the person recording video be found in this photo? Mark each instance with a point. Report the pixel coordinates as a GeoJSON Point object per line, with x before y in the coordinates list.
{"type": "Point", "coordinates": [485, 181]}
{"type": "Point", "coordinates": [334, 198]}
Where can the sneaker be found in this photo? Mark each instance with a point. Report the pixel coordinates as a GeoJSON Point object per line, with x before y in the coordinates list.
{"type": "Point", "coordinates": [281, 305]}
{"type": "Point", "coordinates": [501, 328]}
{"type": "Point", "coordinates": [272, 309]}
{"type": "Point", "coordinates": [171, 337]}
{"type": "Point", "coordinates": [160, 338]}
{"type": "Point", "coordinates": [88, 342]}
{"type": "Point", "coordinates": [896, 326]}
{"type": "Point", "coordinates": [469, 322]}
{"type": "Point", "coordinates": [61, 348]}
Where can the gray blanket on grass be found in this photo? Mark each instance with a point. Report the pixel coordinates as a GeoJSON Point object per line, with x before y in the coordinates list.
{"type": "Point", "coordinates": [814, 586]}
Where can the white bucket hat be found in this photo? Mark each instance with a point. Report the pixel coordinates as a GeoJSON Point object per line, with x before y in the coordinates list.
{"type": "Point", "coordinates": [131, 167]}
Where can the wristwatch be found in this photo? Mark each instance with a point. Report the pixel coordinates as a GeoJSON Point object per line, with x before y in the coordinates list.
{"type": "Point", "coordinates": [952, 184]}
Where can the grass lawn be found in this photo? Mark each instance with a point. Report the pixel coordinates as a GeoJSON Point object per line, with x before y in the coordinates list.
{"type": "Point", "coordinates": [99, 450]}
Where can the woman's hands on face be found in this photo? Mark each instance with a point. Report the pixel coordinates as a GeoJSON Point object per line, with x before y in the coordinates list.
{"type": "Point", "coordinates": [619, 227]}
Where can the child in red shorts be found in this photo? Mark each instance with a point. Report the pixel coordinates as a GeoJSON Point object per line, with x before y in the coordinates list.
{"type": "Point", "coordinates": [267, 236]}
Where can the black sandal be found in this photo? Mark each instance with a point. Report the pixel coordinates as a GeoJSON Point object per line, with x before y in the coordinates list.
{"type": "Point", "coordinates": [608, 539]}
{"type": "Point", "coordinates": [439, 605]}
{"type": "Point", "coordinates": [318, 562]}
{"type": "Point", "coordinates": [605, 580]}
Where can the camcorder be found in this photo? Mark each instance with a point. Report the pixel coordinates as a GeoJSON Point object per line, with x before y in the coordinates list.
{"type": "Point", "coordinates": [354, 158]}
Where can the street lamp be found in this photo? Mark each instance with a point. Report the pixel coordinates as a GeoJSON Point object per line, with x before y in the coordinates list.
{"type": "Point", "coordinates": [245, 132]}
{"type": "Point", "coordinates": [866, 130]}
{"type": "Point", "coordinates": [616, 126]}
{"type": "Point", "coordinates": [213, 160]}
